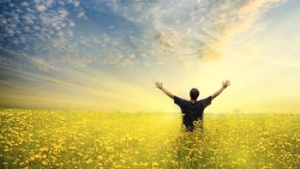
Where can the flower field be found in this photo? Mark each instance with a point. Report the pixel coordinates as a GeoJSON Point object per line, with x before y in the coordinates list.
{"type": "Point", "coordinates": [92, 139]}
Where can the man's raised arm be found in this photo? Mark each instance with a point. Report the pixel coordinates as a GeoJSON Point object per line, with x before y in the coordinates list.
{"type": "Point", "coordinates": [159, 85]}
{"type": "Point", "coordinates": [224, 86]}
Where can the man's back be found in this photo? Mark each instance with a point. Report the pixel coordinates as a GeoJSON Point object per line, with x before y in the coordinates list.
{"type": "Point", "coordinates": [192, 111]}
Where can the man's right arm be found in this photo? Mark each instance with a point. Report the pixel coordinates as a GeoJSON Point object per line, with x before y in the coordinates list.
{"type": "Point", "coordinates": [159, 85]}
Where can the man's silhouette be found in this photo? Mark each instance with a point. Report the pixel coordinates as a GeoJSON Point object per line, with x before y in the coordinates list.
{"type": "Point", "coordinates": [192, 109]}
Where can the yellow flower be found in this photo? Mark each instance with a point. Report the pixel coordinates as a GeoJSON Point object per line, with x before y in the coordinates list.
{"type": "Point", "coordinates": [37, 156]}
{"type": "Point", "coordinates": [89, 161]}
{"type": "Point", "coordinates": [32, 158]}
{"type": "Point", "coordinates": [44, 162]}
{"type": "Point", "coordinates": [72, 148]}
{"type": "Point", "coordinates": [99, 157]}
{"type": "Point", "coordinates": [42, 149]}
{"type": "Point", "coordinates": [155, 164]}
{"type": "Point", "coordinates": [135, 164]}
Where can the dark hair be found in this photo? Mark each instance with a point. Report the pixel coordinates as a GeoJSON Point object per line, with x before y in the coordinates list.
{"type": "Point", "coordinates": [194, 93]}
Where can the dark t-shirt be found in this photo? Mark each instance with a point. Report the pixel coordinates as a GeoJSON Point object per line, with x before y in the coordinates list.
{"type": "Point", "coordinates": [192, 111]}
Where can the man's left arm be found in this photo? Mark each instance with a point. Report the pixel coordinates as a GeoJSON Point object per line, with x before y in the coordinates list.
{"type": "Point", "coordinates": [224, 86]}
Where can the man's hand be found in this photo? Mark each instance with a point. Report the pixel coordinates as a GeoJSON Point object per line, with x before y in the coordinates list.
{"type": "Point", "coordinates": [226, 84]}
{"type": "Point", "coordinates": [159, 85]}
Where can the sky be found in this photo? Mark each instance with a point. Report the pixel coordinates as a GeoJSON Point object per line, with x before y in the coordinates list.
{"type": "Point", "coordinates": [107, 54]}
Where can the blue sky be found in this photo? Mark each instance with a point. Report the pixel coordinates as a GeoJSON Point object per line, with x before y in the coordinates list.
{"type": "Point", "coordinates": [106, 54]}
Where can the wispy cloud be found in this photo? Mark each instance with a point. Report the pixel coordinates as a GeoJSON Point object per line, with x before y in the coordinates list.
{"type": "Point", "coordinates": [193, 28]}
{"type": "Point", "coordinates": [248, 13]}
{"type": "Point", "coordinates": [150, 30]}
{"type": "Point", "coordinates": [22, 62]}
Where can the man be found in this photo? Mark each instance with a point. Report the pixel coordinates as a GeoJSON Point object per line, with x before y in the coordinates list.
{"type": "Point", "coordinates": [192, 109]}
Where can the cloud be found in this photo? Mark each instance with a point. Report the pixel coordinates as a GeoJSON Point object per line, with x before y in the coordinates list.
{"type": "Point", "coordinates": [79, 61]}
{"type": "Point", "coordinates": [63, 13]}
{"type": "Point", "coordinates": [24, 4]}
{"type": "Point", "coordinates": [196, 28]}
{"type": "Point", "coordinates": [40, 64]}
{"type": "Point", "coordinates": [248, 13]}
{"type": "Point", "coordinates": [10, 32]}
{"type": "Point", "coordinates": [41, 8]}
{"type": "Point", "coordinates": [76, 3]}
{"type": "Point", "coordinates": [33, 26]}
{"type": "Point", "coordinates": [147, 30]}
{"type": "Point", "coordinates": [49, 3]}
{"type": "Point", "coordinates": [81, 15]}
{"type": "Point", "coordinates": [120, 60]}
{"type": "Point", "coordinates": [23, 62]}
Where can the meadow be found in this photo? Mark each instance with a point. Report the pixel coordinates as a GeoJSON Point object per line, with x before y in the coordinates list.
{"type": "Point", "coordinates": [93, 139]}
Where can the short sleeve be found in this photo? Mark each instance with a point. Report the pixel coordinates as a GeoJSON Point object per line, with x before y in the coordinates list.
{"type": "Point", "coordinates": [181, 103]}
{"type": "Point", "coordinates": [177, 100]}
{"type": "Point", "coordinates": [206, 102]}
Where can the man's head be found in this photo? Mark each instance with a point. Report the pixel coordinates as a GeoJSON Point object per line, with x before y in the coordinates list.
{"type": "Point", "coordinates": [194, 93]}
